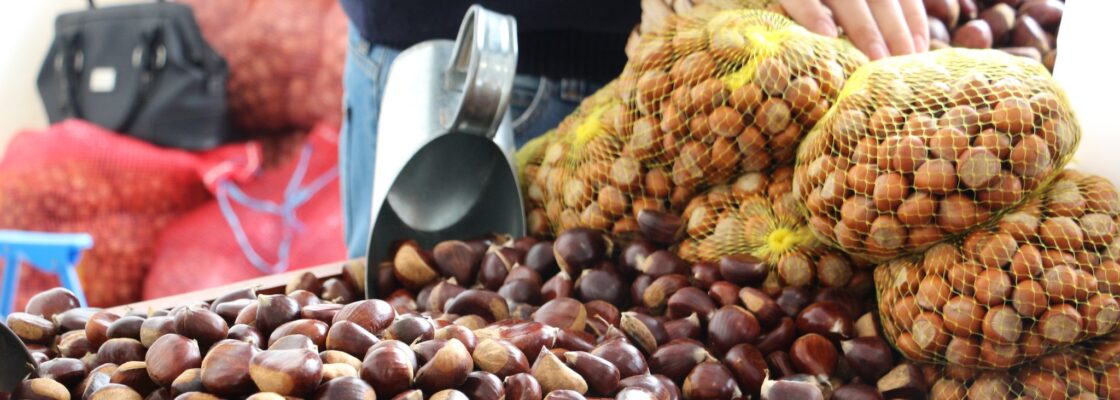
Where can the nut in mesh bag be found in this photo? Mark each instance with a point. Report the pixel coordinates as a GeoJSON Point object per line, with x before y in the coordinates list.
{"type": "Point", "coordinates": [922, 149]}
{"type": "Point", "coordinates": [756, 219]}
{"type": "Point", "coordinates": [1043, 278]}
{"type": "Point", "coordinates": [708, 101]}
{"type": "Point", "coordinates": [1090, 370]}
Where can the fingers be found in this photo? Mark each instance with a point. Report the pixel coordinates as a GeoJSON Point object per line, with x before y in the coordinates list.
{"type": "Point", "coordinates": [860, 26]}
{"type": "Point", "coordinates": [892, 25]}
{"type": "Point", "coordinates": [915, 13]}
{"type": "Point", "coordinates": [812, 15]}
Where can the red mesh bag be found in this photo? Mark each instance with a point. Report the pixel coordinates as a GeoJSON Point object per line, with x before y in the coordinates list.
{"type": "Point", "coordinates": [283, 218]}
{"type": "Point", "coordinates": [76, 177]}
{"type": "Point", "coordinates": [285, 59]}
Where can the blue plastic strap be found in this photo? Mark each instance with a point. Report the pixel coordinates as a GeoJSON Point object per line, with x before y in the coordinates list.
{"type": "Point", "coordinates": [294, 197]}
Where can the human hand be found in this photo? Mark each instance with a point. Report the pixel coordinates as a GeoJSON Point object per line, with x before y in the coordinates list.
{"type": "Point", "coordinates": [879, 28]}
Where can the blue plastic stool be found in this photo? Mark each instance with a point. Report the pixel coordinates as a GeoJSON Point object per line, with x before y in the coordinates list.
{"type": "Point", "coordinates": [54, 253]}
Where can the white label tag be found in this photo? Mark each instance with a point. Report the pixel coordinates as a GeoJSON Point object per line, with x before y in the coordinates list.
{"type": "Point", "coordinates": [102, 79]}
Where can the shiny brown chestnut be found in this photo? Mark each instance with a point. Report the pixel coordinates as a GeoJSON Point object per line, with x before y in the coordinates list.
{"type": "Point", "coordinates": [677, 358]}
{"type": "Point", "coordinates": [457, 259]}
{"type": "Point", "coordinates": [73, 344]}
{"type": "Point", "coordinates": [74, 319]}
{"type": "Point", "coordinates": [729, 326]}
{"type": "Point", "coordinates": [225, 368]}
{"type": "Point", "coordinates": [188, 381]}
{"type": "Point", "coordinates": [409, 328]}
{"type": "Point", "coordinates": [627, 358]}
{"type": "Point", "coordinates": [792, 299]}
{"type": "Point", "coordinates": [126, 327]}
{"type": "Point", "coordinates": [688, 301]}
{"type": "Point", "coordinates": [311, 328]}
{"type": "Point", "coordinates": [748, 366]}
{"type": "Point", "coordinates": [120, 351]}
{"type": "Point", "coordinates": [169, 356]}
{"type": "Point", "coordinates": [294, 372]}
{"type": "Point", "coordinates": [413, 267]}
{"type": "Point", "coordinates": [764, 308]}
{"type": "Point", "coordinates": [633, 253]}
{"type": "Point", "coordinates": [373, 315]}
{"type": "Point", "coordinates": [904, 381]}
{"type": "Point", "coordinates": [563, 313]}
{"type": "Point", "coordinates": [657, 294]}
{"type": "Point", "coordinates": [554, 375]}
{"type": "Point", "coordinates": [273, 311]}
{"type": "Point", "coordinates": [660, 227]}
{"type": "Point", "coordinates": [97, 328]}
{"type": "Point", "coordinates": [724, 293]}
{"type": "Point", "coordinates": [155, 327]}
{"type": "Point", "coordinates": [601, 376]}
{"type": "Point", "coordinates": [115, 391]}
{"type": "Point", "coordinates": [522, 386]}
{"type": "Point", "coordinates": [789, 389]}
{"type": "Point", "coordinates": [134, 375]}
{"type": "Point", "coordinates": [67, 371]}
{"type": "Point", "coordinates": [704, 274]}
{"type": "Point", "coordinates": [813, 354]}
{"type": "Point", "coordinates": [389, 367]}
{"type": "Point", "coordinates": [499, 357]}
{"type": "Point", "coordinates": [245, 333]}
{"type": "Point", "coordinates": [484, 303]}
{"type": "Point", "coordinates": [825, 318]}
{"type": "Point", "coordinates": [344, 388]}
{"type": "Point", "coordinates": [684, 328]}
{"type": "Point", "coordinates": [483, 386]}
{"type": "Point", "coordinates": [448, 368]}
{"type": "Point", "coordinates": [521, 291]}
{"type": "Point", "coordinates": [323, 311]}
{"type": "Point", "coordinates": [560, 285]}
{"type": "Point", "coordinates": [743, 269]}
{"type": "Point", "coordinates": [869, 357]}
{"type": "Point", "coordinates": [599, 284]}
{"type": "Point", "coordinates": [51, 302]}
{"type": "Point", "coordinates": [31, 328]}
{"type": "Point", "coordinates": [780, 364]}
{"type": "Point", "coordinates": [338, 291]}
{"type": "Point", "coordinates": [303, 298]}
{"type": "Point", "coordinates": [710, 380]}
{"type": "Point", "coordinates": [579, 248]}
{"type": "Point", "coordinates": [293, 342]}
{"type": "Point", "coordinates": [856, 391]}
{"type": "Point", "coordinates": [202, 325]}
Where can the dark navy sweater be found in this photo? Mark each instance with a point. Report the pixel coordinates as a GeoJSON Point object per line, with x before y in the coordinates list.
{"type": "Point", "coordinates": [556, 38]}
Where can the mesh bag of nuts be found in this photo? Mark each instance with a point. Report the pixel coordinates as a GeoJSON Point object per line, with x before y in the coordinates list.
{"type": "Point", "coordinates": [757, 217]}
{"type": "Point", "coordinates": [1087, 371]}
{"type": "Point", "coordinates": [1044, 277]}
{"type": "Point", "coordinates": [922, 149]}
{"type": "Point", "coordinates": [695, 107]}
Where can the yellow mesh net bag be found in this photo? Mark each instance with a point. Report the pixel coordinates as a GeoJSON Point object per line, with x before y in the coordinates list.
{"type": "Point", "coordinates": [1090, 370]}
{"type": "Point", "coordinates": [756, 215]}
{"type": "Point", "coordinates": [1043, 277]}
{"type": "Point", "coordinates": [921, 149]}
{"type": "Point", "coordinates": [709, 100]}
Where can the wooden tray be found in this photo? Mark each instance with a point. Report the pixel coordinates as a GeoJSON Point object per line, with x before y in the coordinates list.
{"type": "Point", "coordinates": [270, 284]}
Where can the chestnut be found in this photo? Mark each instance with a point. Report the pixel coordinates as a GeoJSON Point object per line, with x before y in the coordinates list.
{"type": "Point", "coordinates": [627, 358]}
{"type": "Point", "coordinates": [311, 328]}
{"type": "Point", "coordinates": [564, 313]}
{"type": "Point", "coordinates": [120, 351]}
{"type": "Point", "coordinates": [169, 356]}
{"type": "Point", "coordinates": [657, 294]}
{"type": "Point", "coordinates": [677, 358]}
{"type": "Point", "coordinates": [293, 342]}
{"type": "Point", "coordinates": [51, 302]}
{"type": "Point", "coordinates": [245, 333]}
{"type": "Point", "coordinates": [345, 388]}
{"type": "Point", "coordinates": [481, 302]}
{"type": "Point", "coordinates": [350, 337]}
{"type": "Point", "coordinates": [743, 269]}
{"type": "Point", "coordinates": [601, 376]}
{"type": "Point", "coordinates": [338, 291]}
{"type": "Point", "coordinates": [825, 318]}
{"type": "Point", "coordinates": [155, 327]}
{"type": "Point", "coordinates": [201, 324]}
{"type": "Point", "coordinates": [747, 365]}
{"type": "Point", "coordinates": [273, 311]}
{"type": "Point", "coordinates": [869, 357]}
{"type": "Point", "coordinates": [73, 344]}
{"type": "Point", "coordinates": [710, 380]}
{"type": "Point", "coordinates": [373, 315]}
{"type": "Point", "coordinates": [660, 227]}
{"type": "Point", "coordinates": [729, 326]}
{"type": "Point", "coordinates": [857, 391]}
{"type": "Point", "coordinates": [813, 354]}
{"type": "Point", "coordinates": [31, 328]}
{"type": "Point", "coordinates": [724, 293]}
{"type": "Point", "coordinates": [448, 368]}
{"type": "Point", "coordinates": [225, 368]}
{"type": "Point", "coordinates": [408, 328]}
{"type": "Point", "coordinates": [554, 375]}
{"type": "Point", "coordinates": [792, 299]}
{"type": "Point", "coordinates": [286, 372]}
{"type": "Point", "coordinates": [688, 301]}
{"type": "Point", "coordinates": [791, 389]}
{"type": "Point", "coordinates": [633, 253]}
{"type": "Point", "coordinates": [302, 297]}
{"type": "Point", "coordinates": [684, 328]}
{"type": "Point", "coordinates": [126, 327]}
{"type": "Point", "coordinates": [522, 386]}
{"type": "Point", "coordinates": [389, 367]}
{"type": "Point", "coordinates": [134, 375]}
{"type": "Point", "coordinates": [580, 248]}
{"type": "Point", "coordinates": [564, 395]}
{"type": "Point", "coordinates": [413, 267]}
{"type": "Point", "coordinates": [188, 381]}
{"type": "Point", "coordinates": [560, 285]}
{"type": "Point", "coordinates": [599, 284]}
{"type": "Point", "coordinates": [97, 327]}
{"type": "Point", "coordinates": [338, 357]}
{"type": "Point", "coordinates": [67, 371]}
{"type": "Point", "coordinates": [483, 386]}
{"type": "Point", "coordinates": [764, 308]}
{"type": "Point", "coordinates": [457, 259]}
{"type": "Point", "coordinates": [115, 391]}
{"type": "Point", "coordinates": [904, 381]}
{"type": "Point", "coordinates": [323, 311]}
{"type": "Point", "coordinates": [74, 319]}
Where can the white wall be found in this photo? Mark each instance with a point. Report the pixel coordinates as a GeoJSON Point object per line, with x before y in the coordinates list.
{"type": "Point", "coordinates": [26, 29]}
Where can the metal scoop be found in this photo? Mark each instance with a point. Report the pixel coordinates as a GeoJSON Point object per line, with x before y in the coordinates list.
{"type": "Point", "coordinates": [444, 165]}
{"type": "Point", "coordinates": [15, 361]}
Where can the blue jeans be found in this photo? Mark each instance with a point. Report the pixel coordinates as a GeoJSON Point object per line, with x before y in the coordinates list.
{"type": "Point", "coordinates": [536, 105]}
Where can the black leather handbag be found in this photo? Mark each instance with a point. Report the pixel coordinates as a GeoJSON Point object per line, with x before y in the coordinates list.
{"type": "Point", "coordinates": [143, 70]}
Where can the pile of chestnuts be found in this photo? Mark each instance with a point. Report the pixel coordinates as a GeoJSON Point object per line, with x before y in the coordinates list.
{"type": "Point", "coordinates": [487, 318]}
